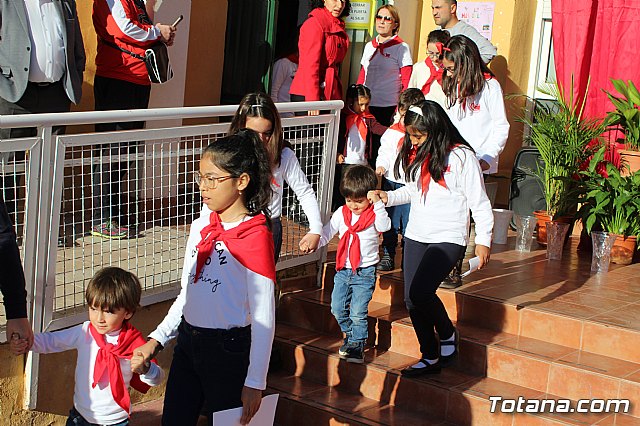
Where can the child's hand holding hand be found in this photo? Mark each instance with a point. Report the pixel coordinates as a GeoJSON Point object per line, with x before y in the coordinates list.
{"type": "Point", "coordinates": [309, 243]}
{"type": "Point", "coordinates": [373, 196]}
{"type": "Point", "coordinates": [376, 195]}
{"type": "Point", "coordinates": [138, 363]}
{"type": "Point", "coordinates": [380, 171]}
{"type": "Point", "coordinates": [17, 345]}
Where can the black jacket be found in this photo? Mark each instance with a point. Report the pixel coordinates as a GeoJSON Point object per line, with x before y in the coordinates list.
{"type": "Point", "coordinates": [12, 282]}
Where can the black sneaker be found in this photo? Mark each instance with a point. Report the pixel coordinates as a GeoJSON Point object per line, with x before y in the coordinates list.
{"type": "Point", "coordinates": [386, 263]}
{"type": "Point", "coordinates": [344, 349]}
{"type": "Point", "coordinates": [454, 280]}
{"type": "Point", "coordinates": [355, 354]}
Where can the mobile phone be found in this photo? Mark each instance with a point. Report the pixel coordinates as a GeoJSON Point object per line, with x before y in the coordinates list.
{"type": "Point", "coordinates": [177, 21]}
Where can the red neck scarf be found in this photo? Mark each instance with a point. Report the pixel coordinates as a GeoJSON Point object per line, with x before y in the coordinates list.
{"type": "Point", "coordinates": [381, 46]}
{"type": "Point", "coordinates": [359, 120]}
{"type": "Point", "coordinates": [108, 359]}
{"type": "Point", "coordinates": [365, 220]}
{"type": "Point", "coordinates": [250, 242]}
{"type": "Point", "coordinates": [435, 75]}
{"type": "Point", "coordinates": [425, 175]}
{"type": "Point", "coordinates": [399, 127]}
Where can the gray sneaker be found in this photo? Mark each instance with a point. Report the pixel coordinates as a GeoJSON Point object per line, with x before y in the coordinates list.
{"type": "Point", "coordinates": [453, 280]}
{"type": "Point", "coordinates": [386, 263]}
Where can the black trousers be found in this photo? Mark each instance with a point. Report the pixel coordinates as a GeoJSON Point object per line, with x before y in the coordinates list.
{"type": "Point", "coordinates": [207, 373]}
{"type": "Point", "coordinates": [108, 192]}
{"type": "Point", "coordinates": [425, 266]}
{"type": "Point", "coordinates": [37, 99]}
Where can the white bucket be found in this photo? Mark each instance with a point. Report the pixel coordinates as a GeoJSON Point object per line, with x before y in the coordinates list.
{"type": "Point", "coordinates": [501, 221]}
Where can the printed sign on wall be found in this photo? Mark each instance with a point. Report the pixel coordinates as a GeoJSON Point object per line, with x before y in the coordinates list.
{"type": "Point", "coordinates": [360, 15]}
{"type": "Point", "coordinates": [478, 15]}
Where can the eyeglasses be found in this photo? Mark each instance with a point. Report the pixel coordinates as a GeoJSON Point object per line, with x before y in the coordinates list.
{"type": "Point", "coordinates": [451, 70]}
{"type": "Point", "coordinates": [433, 54]}
{"type": "Point", "coordinates": [209, 182]}
{"type": "Point", "coordinates": [384, 18]}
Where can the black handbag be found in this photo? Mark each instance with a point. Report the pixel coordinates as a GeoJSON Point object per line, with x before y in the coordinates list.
{"type": "Point", "coordinates": [156, 59]}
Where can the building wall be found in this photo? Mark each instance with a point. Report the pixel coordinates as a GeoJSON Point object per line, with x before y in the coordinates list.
{"type": "Point", "coordinates": [513, 25]}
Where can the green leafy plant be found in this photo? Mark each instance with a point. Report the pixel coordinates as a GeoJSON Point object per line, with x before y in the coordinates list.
{"type": "Point", "coordinates": [608, 199]}
{"type": "Point", "coordinates": [627, 112]}
{"type": "Point", "coordinates": [565, 140]}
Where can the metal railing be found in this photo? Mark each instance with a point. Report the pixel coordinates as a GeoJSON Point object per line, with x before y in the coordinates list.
{"type": "Point", "coordinates": [60, 191]}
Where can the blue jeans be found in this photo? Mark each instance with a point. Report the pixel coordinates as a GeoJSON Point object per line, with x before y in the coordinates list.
{"type": "Point", "coordinates": [75, 419]}
{"type": "Point", "coordinates": [207, 373]}
{"type": "Point", "coordinates": [352, 292]}
{"type": "Point", "coordinates": [399, 216]}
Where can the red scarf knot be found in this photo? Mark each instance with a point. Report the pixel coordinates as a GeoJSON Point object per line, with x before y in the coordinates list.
{"type": "Point", "coordinates": [108, 360]}
{"type": "Point", "coordinates": [361, 124]}
{"type": "Point", "coordinates": [379, 47]}
{"type": "Point", "coordinates": [251, 243]}
{"type": "Point", "coordinates": [366, 219]}
{"type": "Point", "coordinates": [434, 75]}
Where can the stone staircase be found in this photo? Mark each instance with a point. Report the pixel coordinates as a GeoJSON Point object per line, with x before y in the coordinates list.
{"type": "Point", "coordinates": [529, 328]}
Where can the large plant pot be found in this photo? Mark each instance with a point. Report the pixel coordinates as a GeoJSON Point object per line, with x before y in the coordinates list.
{"type": "Point", "coordinates": [630, 160]}
{"type": "Point", "coordinates": [543, 217]}
{"type": "Point", "coordinates": [623, 250]}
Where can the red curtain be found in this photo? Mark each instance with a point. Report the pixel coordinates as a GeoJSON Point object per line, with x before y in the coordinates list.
{"type": "Point", "coordinates": [599, 39]}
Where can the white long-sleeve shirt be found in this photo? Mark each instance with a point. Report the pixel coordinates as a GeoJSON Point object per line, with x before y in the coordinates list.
{"type": "Point", "coordinates": [442, 216]}
{"type": "Point", "coordinates": [483, 123]}
{"type": "Point", "coordinates": [228, 295]}
{"type": "Point", "coordinates": [291, 172]}
{"type": "Point", "coordinates": [368, 237]}
{"type": "Point", "coordinates": [388, 153]}
{"type": "Point", "coordinates": [283, 72]}
{"type": "Point", "coordinates": [96, 405]}
{"type": "Point", "coordinates": [419, 76]}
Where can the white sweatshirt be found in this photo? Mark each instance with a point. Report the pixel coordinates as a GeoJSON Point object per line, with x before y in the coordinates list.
{"type": "Point", "coordinates": [419, 76]}
{"type": "Point", "coordinates": [96, 405]}
{"type": "Point", "coordinates": [483, 123]}
{"type": "Point", "coordinates": [443, 215]}
{"type": "Point", "coordinates": [228, 295]}
{"type": "Point", "coordinates": [388, 153]}
{"type": "Point", "coordinates": [291, 172]}
{"type": "Point", "coordinates": [368, 237]}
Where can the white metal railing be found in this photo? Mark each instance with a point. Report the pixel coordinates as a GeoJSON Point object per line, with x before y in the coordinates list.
{"type": "Point", "coordinates": [156, 198]}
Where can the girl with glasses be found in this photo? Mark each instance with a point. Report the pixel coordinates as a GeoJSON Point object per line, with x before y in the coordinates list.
{"type": "Point", "coordinates": [427, 75]}
{"type": "Point", "coordinates": [386, 67]}
{"type": "Point", "coordinates": [224, 316]}
{"type": "Point", "coordinates": [258, 113]}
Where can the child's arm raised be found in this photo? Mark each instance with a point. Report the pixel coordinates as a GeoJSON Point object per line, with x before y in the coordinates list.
{"type": "Point", "coordinates": [382, 222]}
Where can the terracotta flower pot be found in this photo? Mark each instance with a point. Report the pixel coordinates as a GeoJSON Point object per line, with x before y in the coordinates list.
{"type": "Point", "coordinates": [631, 159]}
{"type": "Point", "coordinates": [543, 217]}
{"type": "Point", "coordinates": [623, 250]}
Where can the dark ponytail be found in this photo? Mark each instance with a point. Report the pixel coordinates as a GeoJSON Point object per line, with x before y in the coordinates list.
{"type": "Point", "coordinates": [244, 152]}
{"type": "Point", "coordinates": [442, 135]}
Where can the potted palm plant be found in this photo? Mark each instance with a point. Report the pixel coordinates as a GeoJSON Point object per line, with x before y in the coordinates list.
{"type": "Point", "coordinates": [610, 200]}
{"type": "Point", "coordinates": [626, 117]}
{"type": "Point", "coordinates": [565, 140]}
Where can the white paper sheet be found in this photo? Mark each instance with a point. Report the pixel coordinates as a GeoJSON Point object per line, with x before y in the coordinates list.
{"type": "Point", "coordinates": [474, 262]}
{"type": "Point", "coordinates": [264, 417]}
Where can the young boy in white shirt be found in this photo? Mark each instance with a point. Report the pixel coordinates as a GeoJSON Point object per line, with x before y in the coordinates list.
{"type": "Point", "coordinates": [359, 223]}
{"type": "Point", "coordinates": [105, 351]}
